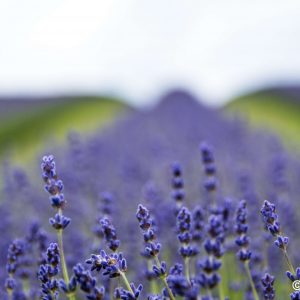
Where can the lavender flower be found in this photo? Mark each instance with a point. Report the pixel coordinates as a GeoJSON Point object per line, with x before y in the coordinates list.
{"type": "Point", "coordinates": [208, 160]}
{"type": "Point", "coordinates": [198, 224]}
{"type": "Point", "coordinates": [37, 236]}
{"type": "Point", "coordinates": [87, 283]}
{"type": "Point", "coordinates": [208, 277]}
{"type": "Point", "coordinates": [14, 254]}
{"type": "Point", "coordinates": [115, 265]}
{"type": "Point", "coordinates": [54, 187]}
{"type": "Point", "coordinates": [270, 218]}
{"type": "Point", "coordinates": [47, 273]}
{"type": "Point", "coordinates": [180, 285]}
{"type": "Point", "coordinates": [268, 290]}
{"type": "Point", "coordinates": [184, 235]}
{"type": "Point", "coordinates": [241, 229]}
{"type": "Point", "coordinates": [134, 293]}
{"type": "Point", "coordinates": [107, 203]}
{"type": "Point", "coordinates": [152, 248]}
{"type": "Point", "coordinates": [110, 234]}
{"type": "Point", "coordinates": [295, 296]}
{"type": "Point", "coordinates": [112, 264]}
{"type": "Point", "coordinates": [178, 185]}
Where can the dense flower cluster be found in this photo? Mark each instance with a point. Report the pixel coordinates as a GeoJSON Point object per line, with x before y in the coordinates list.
{"type": "Point", "coordinates": [131, 160]}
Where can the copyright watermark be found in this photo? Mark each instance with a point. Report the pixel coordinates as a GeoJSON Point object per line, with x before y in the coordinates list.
{"type": "Point", "coordinates": [296, 285]}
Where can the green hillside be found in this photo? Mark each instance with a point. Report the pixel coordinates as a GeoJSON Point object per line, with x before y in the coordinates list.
{"type": "Point", "coordinates": [274, 111]}
{"type": "Point", "coordinates": [29, 129]}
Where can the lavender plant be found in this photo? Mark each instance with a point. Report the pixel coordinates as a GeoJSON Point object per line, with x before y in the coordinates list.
{"type": "Point", "coordinates": [268, 286]}
{"type": "Point", "coordinates": [203, 228]}
{"type": "Point", "coordinates": [54, 187]}
{"type": "Point", "coordinates": [242, 241]}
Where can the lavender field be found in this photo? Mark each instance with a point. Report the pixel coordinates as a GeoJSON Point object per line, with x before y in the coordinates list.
{"type": "Point", "coordinates": [173, 202]}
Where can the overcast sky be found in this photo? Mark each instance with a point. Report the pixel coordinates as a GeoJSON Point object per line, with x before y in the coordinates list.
{"type": "Point", "coordinates": [138, 49]}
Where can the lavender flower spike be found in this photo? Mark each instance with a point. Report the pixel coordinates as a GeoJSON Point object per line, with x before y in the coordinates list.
{"type": "Point", "coordinates": [178, 193]}
{"type": "Point", "coordinates": [152, 248]}
{"type": "Point", "coordinates": [268, 290]}
{"type": "Point", "coordinates": [271, 221]}
{"type": "Point", "coordinates": [54, 187]}
{"type": "Point", "coordinates": [241, 229]}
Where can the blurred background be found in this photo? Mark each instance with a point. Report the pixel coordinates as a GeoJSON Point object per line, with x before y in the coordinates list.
{"type": "Point", "coordinates": [78, 65]}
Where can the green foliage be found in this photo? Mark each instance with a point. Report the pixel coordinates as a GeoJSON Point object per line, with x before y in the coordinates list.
{"type": "Point", "coordinates": [24, 133]}
{"type": "Point", "coordinates": [275, 112]}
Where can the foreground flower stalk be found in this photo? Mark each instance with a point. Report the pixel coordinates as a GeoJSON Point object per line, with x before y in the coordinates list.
{"type": "Point", "coordinates": [242, 241]}
{"type": "Point", "coordinates": [271, 220]}
{"type": "Point", "coordinates": [152, 248]}
{"type": "Point", "coordinates": [272, 223]}
{"type": "Point", "coordinates": [54, 187]}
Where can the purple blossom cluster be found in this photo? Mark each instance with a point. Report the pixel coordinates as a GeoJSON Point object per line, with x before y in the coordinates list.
{"type": "Point", "coordinates": [182, 246]}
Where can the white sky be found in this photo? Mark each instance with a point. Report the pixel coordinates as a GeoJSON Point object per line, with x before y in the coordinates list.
{"type": "Point", "coordinates": [137, 49]}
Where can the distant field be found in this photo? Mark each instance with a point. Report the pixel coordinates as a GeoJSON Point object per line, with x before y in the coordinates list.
{"type": "Point", "coordinates": [27, 126]}
{"type": "Point", "coordinates": [277, 112]}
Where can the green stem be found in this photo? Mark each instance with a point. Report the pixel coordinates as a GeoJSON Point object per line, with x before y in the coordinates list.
{"type": "Point", "coordinates": [63, 261]}
{"type": "Point", "coordinates": [25, 286]}
{"type": "Point", "coordinates": [187, 268]}
{"type": "Point", "coordinates": [152, 283]}
{"type": "Point", "coordinates": [221, 292]}
{"type": "Point", "coordinates": [62, 257]}
{"type": "Point", "coordinates": [126, 282]}
{"type": "Point", "coordinates": [9, 295]}
{"type": "Point", "coordinates": [255, 295]}
{"type": "Point", "coordinates": [208, 293]}
{"type": "Point", "coordinates": [164, 280]}
{"type": "Point", "coordinates": [291, 268]}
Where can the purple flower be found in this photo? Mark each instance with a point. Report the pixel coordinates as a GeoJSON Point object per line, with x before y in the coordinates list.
{"type": "Point", "coordinates": [53, 186]}
{"type": "Point", "coordinates": [121, 293]}
{"type": "Point", "coordinates": [152, 248]}
{"type": "Point", "coordinates": [110, 234]}
{"type": "Point", "coordinates": [184, 220]}
{"type": "Point", "coordinates": [178, 193]}
{"type": "Point", "coordinates": [271, 220]}
{"type": "Point", "coordinates": [48, 271]}
{"type": "Point", "coordinates": [208, 160]}
{"type": "Point", "coordinates": [59, 222]}
{"type": "Point", "coordinates": [268, 290]}
{"type": "Point", "coordinates": [87, 283]}
{"type": "Point", "coordinates": [241, 228]}
{"type": "Point", "coordinates": [112, 265]}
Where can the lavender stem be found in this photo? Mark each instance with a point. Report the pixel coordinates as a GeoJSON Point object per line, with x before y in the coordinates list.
{"type": "Point", "coordinates": [255, 295]}
{"type": "Point", "coordinates": [163, 278]}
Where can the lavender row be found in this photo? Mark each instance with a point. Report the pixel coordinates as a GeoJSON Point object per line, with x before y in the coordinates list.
{"type": "Point", "coordinates": [189, 228]}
